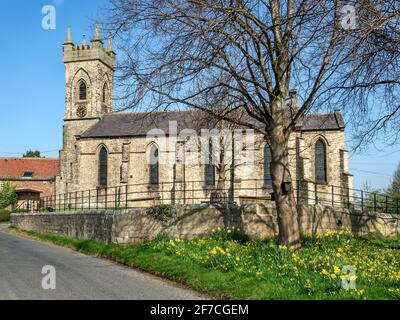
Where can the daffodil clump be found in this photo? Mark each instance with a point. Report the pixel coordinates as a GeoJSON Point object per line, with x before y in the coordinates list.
{"type": "Point", "coordinates": [334, 265]}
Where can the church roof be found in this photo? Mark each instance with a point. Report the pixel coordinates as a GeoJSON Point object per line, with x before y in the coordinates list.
{"type": "Point", "coordinates": [137, 124]}
{"type": "Point", "coordinates": [317, 122]}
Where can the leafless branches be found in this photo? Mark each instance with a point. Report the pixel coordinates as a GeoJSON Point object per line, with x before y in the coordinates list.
{"type": "Point", "coordinates": [225, 56]}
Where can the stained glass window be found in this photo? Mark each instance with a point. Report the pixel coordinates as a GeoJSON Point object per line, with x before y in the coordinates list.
{"type": "Point", "coordinates": [103, 167]}
{"type": "Point", "coordinates": [320, 162]}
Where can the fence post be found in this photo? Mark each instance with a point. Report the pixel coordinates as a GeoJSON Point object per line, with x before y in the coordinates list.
{"type": "Point", "coordinates": [97, 198]}
{"type": "Point", "coordinates": [90, 207]}
{"type": "Point", "coordinates": [162, 192]}
{"type": "Point", "coordinates": [256, 191]}
{"type": "Point", "coordinates": [126, 196]}
{"type": "Point", "coordinates": [362, 200]}
{"type": "Point", "coordinates": [316, 193]}
{"type": "Point", "coordinates": [298, 192]}
{"type": "Point", "coordinates": [184, 192]}
{"type": "Point", "coordinates": [82, 200]}
{"type": "Point", "coordinates": [106, 204]}
{"type": "Point", "coordinates": [333, 196]}
{"type": "Point", "coordinates": [348, 198]}
{"type": "Point", "coordinates": [386, 204]}
{"type": "Point", "coordinates": [115, 198]}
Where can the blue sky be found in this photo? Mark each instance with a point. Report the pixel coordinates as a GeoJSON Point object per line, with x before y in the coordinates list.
{"type": "Point", "coordinates": [32, 84]}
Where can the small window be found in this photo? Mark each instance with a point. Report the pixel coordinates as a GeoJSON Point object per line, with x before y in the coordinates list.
{"type": "Point", "coordinates": [27, 174]}
{"type": "Point", "coordinates": [320, 162]}
{"type": "Point", "coordinates": [82, 91]}
{"type": "Point", "coordinates": [154, 166]}
{"type": "Point", "coordinates": [105, 89]}
{"type": "Point", "coordinates": [103, 167]}
{"type": "Point", "coordinates": [267, 166]}
{"type": "Point", "coordinates": [209, 170]}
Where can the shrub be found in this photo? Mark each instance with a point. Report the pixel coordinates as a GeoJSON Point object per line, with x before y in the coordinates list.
{"type": "Point", "coordinates": [8, 196]}
{"type": "Point", "coordinates": [229, 234]}
{"type": "Point", "coordinates": [162, 212]}
{"type": "Point", "coordinates": [5, 215]}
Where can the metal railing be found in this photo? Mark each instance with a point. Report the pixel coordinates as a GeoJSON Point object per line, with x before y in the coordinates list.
{"type": "Point", "coordinates": [241, 191]}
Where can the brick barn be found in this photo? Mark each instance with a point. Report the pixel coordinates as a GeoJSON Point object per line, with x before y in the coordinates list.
{"type": "Point", "coordinates": [32, 177]}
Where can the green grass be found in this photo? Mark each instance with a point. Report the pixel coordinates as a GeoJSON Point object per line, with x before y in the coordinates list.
{"type": "Point", "coordinates": [227, 265]}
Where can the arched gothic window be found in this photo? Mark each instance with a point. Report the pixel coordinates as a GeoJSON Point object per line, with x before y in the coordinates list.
{"type": "Point", "coordinates": [267, 166]}
{"type": "Point", "coordinates": [82, 90]}
{"type": "Point", "coordinates": [154, 166]}
{"type": "Point", "coordinates": [103, 167]}
{"type": "Point", "coordinates": [105, 90]}
{"type": "Point", "coordinates": [209, 170]}
{"type": "Point", "coordinates": [320, 162]}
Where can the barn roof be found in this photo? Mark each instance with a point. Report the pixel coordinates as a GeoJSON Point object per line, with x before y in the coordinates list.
{"type": "Point", "coordinates": [30, 167]}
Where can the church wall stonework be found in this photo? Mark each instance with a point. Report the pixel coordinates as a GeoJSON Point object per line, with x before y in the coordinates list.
{"type": "Point", "coordinates": [137, 163]}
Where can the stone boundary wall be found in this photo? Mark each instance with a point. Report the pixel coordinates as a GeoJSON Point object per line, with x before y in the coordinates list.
{"type": "Point", "coordinates": [257, 221]}
{"type": "Point", "coordinates": [95, 226]}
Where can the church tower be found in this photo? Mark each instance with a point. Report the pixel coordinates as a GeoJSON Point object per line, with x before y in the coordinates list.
{"type": "Point", "coordinates": [89, 70]}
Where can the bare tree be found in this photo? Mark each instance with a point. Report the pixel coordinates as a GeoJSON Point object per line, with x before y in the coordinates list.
{"type": "Point", "coordinates": [198, 53]}
{"type": "Point", "coordinates": [370, 84]}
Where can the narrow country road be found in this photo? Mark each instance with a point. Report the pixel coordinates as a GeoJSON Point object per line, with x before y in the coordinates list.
{"type": "Point", "coordinates": [77, 276]}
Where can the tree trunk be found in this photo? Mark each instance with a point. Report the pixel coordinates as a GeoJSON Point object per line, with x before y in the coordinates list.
{"type": "Point", "coordinates": [221, 194]}
{"type": "Point", "coordinates": [289, 232]}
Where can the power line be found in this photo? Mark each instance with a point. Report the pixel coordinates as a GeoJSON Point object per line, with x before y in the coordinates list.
{"type": "Point", "coordinates": [389, 154]}
{"type": "Point", "coordinates": [372, 172]}
{"type": "Point", "coordinates": [375, 154]}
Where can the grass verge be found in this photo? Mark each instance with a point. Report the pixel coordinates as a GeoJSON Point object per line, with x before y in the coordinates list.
{"type": "Point", "coordinates": [227, 265]}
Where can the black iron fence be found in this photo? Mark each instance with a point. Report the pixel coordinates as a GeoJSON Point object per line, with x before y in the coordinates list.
{"type": "Point", "coordinates": [241, 191]}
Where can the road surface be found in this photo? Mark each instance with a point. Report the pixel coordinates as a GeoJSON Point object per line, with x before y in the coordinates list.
{"type": "Point", "coordinates": [77, 276]}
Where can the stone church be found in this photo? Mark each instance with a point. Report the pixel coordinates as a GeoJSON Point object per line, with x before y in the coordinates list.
{"type": "Point", "coordinates": [124, 155]}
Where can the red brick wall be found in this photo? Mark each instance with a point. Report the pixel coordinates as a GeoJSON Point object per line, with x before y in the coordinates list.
{"type": "Point", "coordinates": [45, 187]}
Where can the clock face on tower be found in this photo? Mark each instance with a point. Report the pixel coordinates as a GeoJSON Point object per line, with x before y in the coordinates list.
{"type": "Point", "coordinates": [81, 111]}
